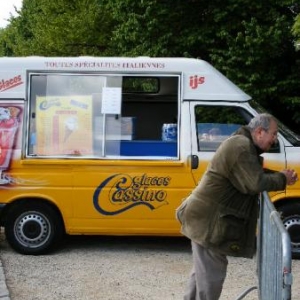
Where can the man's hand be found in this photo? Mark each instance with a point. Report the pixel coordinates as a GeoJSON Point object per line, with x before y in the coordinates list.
{"type": "Point", "coordinates": [291, 176]}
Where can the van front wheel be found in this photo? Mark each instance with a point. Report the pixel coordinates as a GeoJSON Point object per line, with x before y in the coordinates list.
{"type": "Point", "coordinates": [33, 228]}
{"type": "Point", "coordinates": [290, 215]}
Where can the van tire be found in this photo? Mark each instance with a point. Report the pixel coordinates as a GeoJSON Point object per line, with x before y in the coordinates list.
{"type": "Point", "coordinates": [33, 228]}
{"type": "Point", "coordinates": [290, 215]}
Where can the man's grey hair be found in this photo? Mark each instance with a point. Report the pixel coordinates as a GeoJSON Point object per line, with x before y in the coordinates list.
{"type": "Point", "coordinates": [261, 120]}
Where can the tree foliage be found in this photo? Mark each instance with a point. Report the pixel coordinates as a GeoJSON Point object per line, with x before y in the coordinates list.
{"type": "Point", "coordinates": [251, 42]}
{"type": "Point", "coordinates": [60, 28]}
{"type": "Point", "coordinates": [296, 31]}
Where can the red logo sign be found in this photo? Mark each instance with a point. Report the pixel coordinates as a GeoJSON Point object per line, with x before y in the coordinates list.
{"type": "Point", "coordinates": [195, 81]}
{"type": "Point", "coordinates": [10, 83]}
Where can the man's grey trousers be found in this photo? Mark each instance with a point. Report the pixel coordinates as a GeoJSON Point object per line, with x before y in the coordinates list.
{"type": "Point", "coordinates": [208, 274]}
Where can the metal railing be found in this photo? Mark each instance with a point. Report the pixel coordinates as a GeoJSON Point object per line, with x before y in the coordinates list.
{"type": "Point", "coordinates": [274, 256]}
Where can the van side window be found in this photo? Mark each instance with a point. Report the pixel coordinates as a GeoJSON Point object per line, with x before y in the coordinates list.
{"type": "Point", "coordinates": [216, 123]}
{"type": "Point", "coordinates": [103, 116]}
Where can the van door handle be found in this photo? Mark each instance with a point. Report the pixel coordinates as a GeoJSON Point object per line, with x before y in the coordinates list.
{"type": "Point", "coordinates": [194, 162]}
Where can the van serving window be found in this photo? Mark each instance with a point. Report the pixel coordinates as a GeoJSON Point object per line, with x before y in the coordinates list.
{"type": "Point", "coordinates": [95, 116]}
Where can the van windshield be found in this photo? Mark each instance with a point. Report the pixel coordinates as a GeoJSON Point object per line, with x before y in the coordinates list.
{"type": "Point", "coordinates": [291, 136]}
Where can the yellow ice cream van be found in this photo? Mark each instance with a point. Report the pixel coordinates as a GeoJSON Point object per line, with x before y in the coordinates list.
{"type": "Point", "coordinates": [111, 146]}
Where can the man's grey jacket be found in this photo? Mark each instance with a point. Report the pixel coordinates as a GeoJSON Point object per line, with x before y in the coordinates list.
{"type": "Point", "coordinates": [221, 212]}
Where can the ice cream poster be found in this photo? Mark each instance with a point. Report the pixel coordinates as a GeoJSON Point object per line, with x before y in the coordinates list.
{"type": "Point", "coordinates": [10, 127]}
{"type": "Point", "coordinates": [64, 125]}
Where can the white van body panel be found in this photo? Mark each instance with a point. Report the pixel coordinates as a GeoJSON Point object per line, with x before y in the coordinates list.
{"type": "Point", "coordinates": [214, 85]}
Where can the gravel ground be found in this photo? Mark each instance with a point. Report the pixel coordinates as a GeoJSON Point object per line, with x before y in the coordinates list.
{"type": "Point", "coordinates": [118, 268]}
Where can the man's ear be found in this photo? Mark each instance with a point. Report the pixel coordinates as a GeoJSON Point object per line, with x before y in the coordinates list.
{"type": "Point", "coordinates": [257, 133]}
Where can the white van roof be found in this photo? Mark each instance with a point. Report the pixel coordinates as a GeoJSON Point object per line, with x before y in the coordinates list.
{"type": "Point", "coordinates": [201, 81]}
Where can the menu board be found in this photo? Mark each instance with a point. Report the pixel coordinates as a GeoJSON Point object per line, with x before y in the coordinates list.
{"type": "Point", "coordinates": [64, 125]}
{"type": "Point", "coordinates": [111, 101]}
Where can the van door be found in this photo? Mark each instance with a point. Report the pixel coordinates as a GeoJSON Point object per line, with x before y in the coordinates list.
{"type": "Point", "coordinates": [213, 124]}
